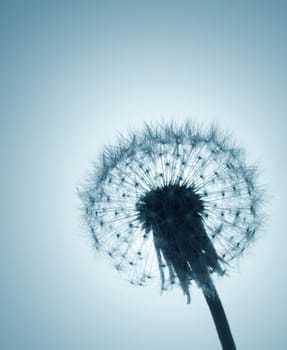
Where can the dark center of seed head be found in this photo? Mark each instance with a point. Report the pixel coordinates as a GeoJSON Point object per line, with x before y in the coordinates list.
{"type": "Point", "coordinates": [169, 205]}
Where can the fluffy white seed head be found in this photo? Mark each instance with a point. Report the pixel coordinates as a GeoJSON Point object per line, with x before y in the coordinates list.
{"type": "Point", "coordinates": [172, 164]}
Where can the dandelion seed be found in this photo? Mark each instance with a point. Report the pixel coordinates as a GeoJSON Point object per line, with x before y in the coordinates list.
{"type": "Point", "coordinates": [174, 203]}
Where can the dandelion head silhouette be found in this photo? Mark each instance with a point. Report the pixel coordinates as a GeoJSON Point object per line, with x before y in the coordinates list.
{"type": "Point", "coordinates": [172, 202]}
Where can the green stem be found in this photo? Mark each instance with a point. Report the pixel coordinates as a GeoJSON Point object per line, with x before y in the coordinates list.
{"type": "Point", "coordinates": [219, 317]}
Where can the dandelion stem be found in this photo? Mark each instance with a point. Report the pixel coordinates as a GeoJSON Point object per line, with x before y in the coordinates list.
{"type": "Point", "coordinates": [219, 318]}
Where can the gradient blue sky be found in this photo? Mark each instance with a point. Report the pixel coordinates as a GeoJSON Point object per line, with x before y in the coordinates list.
{"type": "Point", "coordinates": [73, 75]}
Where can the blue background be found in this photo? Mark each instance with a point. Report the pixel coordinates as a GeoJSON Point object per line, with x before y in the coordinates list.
{"type": "Point", "coordinates": [74, 75]}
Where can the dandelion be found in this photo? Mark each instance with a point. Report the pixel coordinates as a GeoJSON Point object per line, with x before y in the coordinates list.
{"type": "Point", "coordinates": [174, 203]}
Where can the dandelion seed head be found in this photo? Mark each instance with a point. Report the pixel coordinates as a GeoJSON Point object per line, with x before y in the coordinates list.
{"type": "Point", "coordinates": [172, 203]}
